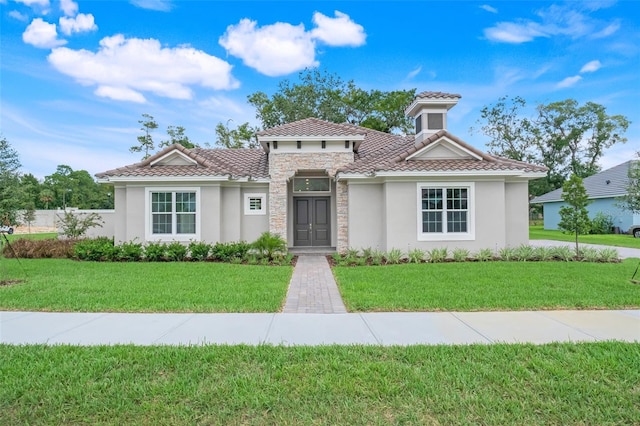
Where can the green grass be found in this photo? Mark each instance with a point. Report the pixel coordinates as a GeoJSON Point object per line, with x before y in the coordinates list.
{"type": "Point", "coordinates": [39, 236]}
{"type": "Point", "coordinates": [618, 240]}
{"type": "Point", "coordinates": [591, 383]}
{"type": "Point", "coordinates": [479, 286]}
{"type": "Point", "coordinates": [67, 285]}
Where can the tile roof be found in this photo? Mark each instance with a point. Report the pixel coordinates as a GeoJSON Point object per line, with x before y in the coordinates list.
{"type": "Point", "coordinates": [378, 151]}
{"type": "Point", "coordinates": [437, 95]}
{"type": "Point", "coordinates": [612, 182]}
{"type": "Point", "coordinates": [314, 127]}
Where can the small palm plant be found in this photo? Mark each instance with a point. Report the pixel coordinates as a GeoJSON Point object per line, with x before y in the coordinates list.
{"type": "Point", "coordinates": [270, 245]}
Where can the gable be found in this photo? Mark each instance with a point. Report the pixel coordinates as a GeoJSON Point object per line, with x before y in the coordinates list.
{"type": "Point", "coordinates": [444, 149]}
{"type": "Point", "coordinates": [174, 158]}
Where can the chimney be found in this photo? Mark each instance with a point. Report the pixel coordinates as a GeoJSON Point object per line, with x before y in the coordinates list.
{"type": "Point", "coordinates": [429, 110]}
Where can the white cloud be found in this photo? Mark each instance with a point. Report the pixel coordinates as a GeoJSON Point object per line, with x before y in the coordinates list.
{"type": "Point", "coordinates": [591, 66]}
{"type": "Point", "coordinates": [42, 34]}
{"type": "Point", "coordinates": [273, 50]}
{"type": "Point", "coordinates": [69, 7]}
{"type": "Point", "coordinates": [120, 94]}
{"type": "Point", "coordinates": [81, 23]}
{"type": "Point", "coordinates": [124, 68]}
{"type": "Point", "coordinates": [338, 31]}
{"type": "Point", "coordinates": [489, 8]}
{"type": "Point", "coordinates": [511, 32]}
{"type": "Point", "coordinates": [414, 73]}
{"type": "Point", "coordinates": [567, 20]}
{"type": "Point", "coordinates": [569, 81]}
{"type": "Point", "coordinates": [31, 3]}
{"type": "Point", "coordinates": [19, 16]}
{"type": "Point", "coordinates": [158, 5]}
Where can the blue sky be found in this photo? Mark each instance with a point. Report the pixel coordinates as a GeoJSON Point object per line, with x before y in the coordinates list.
{"type": "Point", "coordinates": [76, 76]}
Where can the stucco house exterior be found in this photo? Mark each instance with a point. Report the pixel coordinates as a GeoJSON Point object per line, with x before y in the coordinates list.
{"type": "Point", "coordinates": [321, 184]}
{"type": "Point", "coordinates": [604, 190]}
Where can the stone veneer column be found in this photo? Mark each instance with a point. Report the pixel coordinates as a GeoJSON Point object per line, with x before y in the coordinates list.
{"type": "Point", "coordinates": [284, 166]}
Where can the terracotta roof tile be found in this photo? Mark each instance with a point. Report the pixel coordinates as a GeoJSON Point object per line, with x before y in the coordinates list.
{"type": "Point", "coordinates": [437, 95]}
{"type": "Point", "coordinates": [378, 151]}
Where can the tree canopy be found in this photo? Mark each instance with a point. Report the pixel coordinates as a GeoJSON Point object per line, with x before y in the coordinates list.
{"type": "Point", "coordinates": [11, 194]}
{"type": "Point", "coordinates": [327, 97]}
{"type": "Point", "coordinates": [566, 137]}
{"type": "Point", "coordinates": [631, 200]}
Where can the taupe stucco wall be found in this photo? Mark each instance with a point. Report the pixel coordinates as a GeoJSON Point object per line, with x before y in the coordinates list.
{"type": "Point", "coordinates": [366, 223]}
{"type": "Point", "coordinates": [135, 214]}
{"type": "Point", "coordinates": [210, 216]}
{"type": "Point", "coordinates": [398, 216]}
{"type": "Point", "coordinates": [230, 213]}
{"type": "Point", "coordinates": [517, 213]}
{"type": "Point", "coordinates": [254, 225]}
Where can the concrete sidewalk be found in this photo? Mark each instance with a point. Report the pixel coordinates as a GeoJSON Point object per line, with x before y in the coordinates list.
{"type": "Point", "coordinates": [428, 328]}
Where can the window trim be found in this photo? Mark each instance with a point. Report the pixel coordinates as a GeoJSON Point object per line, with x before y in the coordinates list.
{"type": "Point", "coordinates": [174, 236]}
{"type": "Point", "coordinates": [470, 235]}
{"type": "Point", "coordinates": [263, 204]}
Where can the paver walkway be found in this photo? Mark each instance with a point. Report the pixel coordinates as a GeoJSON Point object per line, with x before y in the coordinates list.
{"type": "Point", "coordinates": [312, 289]}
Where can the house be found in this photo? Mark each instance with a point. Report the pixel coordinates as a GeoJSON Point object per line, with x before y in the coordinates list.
{"type": "Point", "coordinates": [604, 190]}
{"type": "Point", "coordinates": [321, 184]}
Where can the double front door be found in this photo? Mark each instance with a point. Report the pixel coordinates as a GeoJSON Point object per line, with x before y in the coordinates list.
{"type": "Point", "coordinates": [312, 221]}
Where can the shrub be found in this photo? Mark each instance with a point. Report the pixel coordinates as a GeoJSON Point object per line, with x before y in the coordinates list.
{"type": "Point", "coordinates": [507, 253]}
{"type": "Point", "coordinates": [394, 256]}
{"type": "Point", "coordinates": [129, 252]}
{"type": "Point", "coordinates": [543, 253]}
{"type": "Point", "coordinates": [76, 225]}
{"type": "Point", "coordinates": [608, 255]}
{"type": "Point", "coordinates": [460, 254]}
{"type": "Point", "coordinates": [155, 252]}
{"type": "Point", "coordinates": [49, 248]}
{"type": "Point", "coordinates": [377, 257]}
{"type": "Point", "coordinates": [416, 255]}
{"type": "Point", "coordinates": [484, 255]}
{"type": "Point", "coordinates": [562, 253]}
{"type": "Point", "coordinates": [367, 252]}
{"type": "Point", "coordinates": [199, 250]}
{"type": "Point", "coordinates": [353, 253]}
{"type": "Point", "coordinates": [602, 223]}
{"type": "Point", "coordinates": [226, 251]}
{"type": "Point", "coordinates": [524, 253]}
{"type": "Point", "coordinates": [270, 245]}
{"type": "Point", "coordinates": [95, 249]}
{"type": "Point", "coordinates": [176, 251]}
{"type": "Point", "coordinates": [589, 254]}
{"type": "Point", "coordinates": [438, 255]}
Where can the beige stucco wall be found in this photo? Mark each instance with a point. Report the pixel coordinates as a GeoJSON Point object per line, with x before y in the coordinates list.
{"type": "Point", "coordinates": [254, 225]}
{"type": "Point", "coordinates": [366, 224]}
{"type": "Point", "coordinates": [394, 206]}
{"type": "Point", "coordinates": [517, 213]}
{"type": "Point", "coordinates": [210, 215]}
{"type": "Point", "coordinates": [135, 214]}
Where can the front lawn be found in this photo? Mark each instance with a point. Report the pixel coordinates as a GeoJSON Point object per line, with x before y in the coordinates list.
{"type": "Point", "coordinates": [590, 383]}
{"type": "Point", "coordinates": [34, 236]}
{"type": "Point", "coordinates": [67, 285]}
{"type": "Point", "coordinates": [480, 286]}
{"type": "Point", "coordinates": [618, 240]}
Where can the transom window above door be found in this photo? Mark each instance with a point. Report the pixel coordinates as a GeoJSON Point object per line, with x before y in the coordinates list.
{"type": "Point", "coordinates": [311, 184]}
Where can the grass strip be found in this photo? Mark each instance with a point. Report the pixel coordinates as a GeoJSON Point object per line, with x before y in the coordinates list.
{"type": "Point", "coordinates": [590, 383]}
{"type": "Point", "coordinates": [67, 285]}
{"type": "Point", "coordinates": [488, 286]}
{"type": "Point", "coordinates": [618, 240]}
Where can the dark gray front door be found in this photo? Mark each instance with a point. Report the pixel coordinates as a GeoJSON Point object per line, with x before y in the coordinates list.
{"type": "Point", "coordinates": [312, 225]}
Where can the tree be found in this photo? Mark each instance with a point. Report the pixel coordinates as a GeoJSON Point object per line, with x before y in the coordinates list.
{"type": "Point", "coordinates": [76, 225]}
{"type": "Point", "coordinates": [145, 141]}
{"type": "Point", "coordinates": [325, 96]}
{"type": "Point", "coordinates": [564, 136]}
{"type": "Point", "coordinates": [244, 136]}
{"type": "Point", "coordinates": [11, 194]}
{"type": "Point", "coordinates": [574, 217]}
{"type": "Point", "coordinates": [631, 200]}
{"type": "Point", "coordinates": [177, 136]}
{"type": "Point", "coordinates": [46, 196]}
{"type": "Point", "coordinates": [29, 214]}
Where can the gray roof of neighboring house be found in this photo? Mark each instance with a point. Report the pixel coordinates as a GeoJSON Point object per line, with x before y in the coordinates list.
{"type": "Point", "coordinates": [612, 182]}
{"type": "Point", "coordinates": [378, 151]}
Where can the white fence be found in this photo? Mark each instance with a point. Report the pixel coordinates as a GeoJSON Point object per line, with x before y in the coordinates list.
{"type": "Point", "coordinates": [51, 219]}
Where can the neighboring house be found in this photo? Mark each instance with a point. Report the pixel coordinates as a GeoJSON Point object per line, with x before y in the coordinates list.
{"type": "Point", "coordinates": [321, 184]}
{"type": "Point", "coordinates": [604, 190]}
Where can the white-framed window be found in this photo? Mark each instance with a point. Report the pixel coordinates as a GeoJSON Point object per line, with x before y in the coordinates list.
{"type": "Point", "coordinates": [255, 204]}
{"type": "Point", "coordinates": [446, 211]}
{"type": "Point", "coordinates": [172, 213]}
